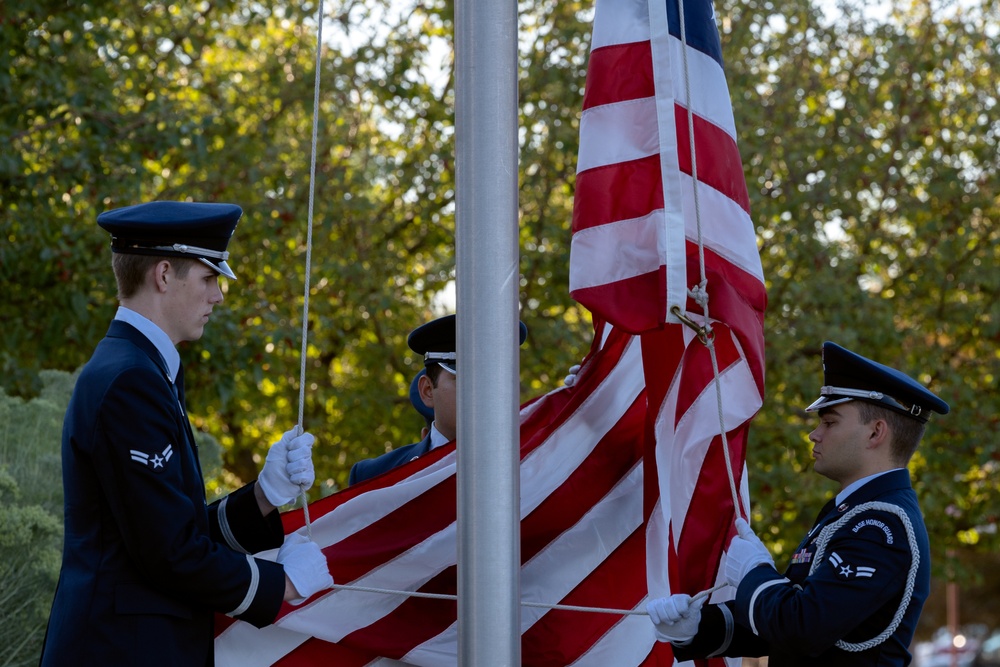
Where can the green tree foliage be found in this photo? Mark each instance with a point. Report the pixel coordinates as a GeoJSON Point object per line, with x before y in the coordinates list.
{"type": "Point", "coordinates": [31, 522]}
{"type": "Point", "coordinates": [30, 539]}
{"type": "Point", "coordinates": [214, 102]}
{"type": "Point", "coordinates": [869, 144]}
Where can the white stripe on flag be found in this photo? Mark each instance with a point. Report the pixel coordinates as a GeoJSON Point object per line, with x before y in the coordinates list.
{"type": "Point", "coordinates": [619, 22]}
{"type": "Point", "coordinates": [627, 643]}
{"type": "Point", "coordinates": [599, 251]}
{"type": "Point", "coordinates": [619, 132]}
{"type": "Point", "coordinates": [709, 90]}
{"type": "Point", "coordinates": [566, 562]}
{"type": "Point", "coordinates": [730, 231]}
{"type": "Point", "coordinates": [342, 612]}
{"type": "Point", "coordinates": [551, 464]}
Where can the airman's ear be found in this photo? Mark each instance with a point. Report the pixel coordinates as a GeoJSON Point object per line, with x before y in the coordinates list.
{"type": "Point", "coordinates": [881, 435]}
{"type": "Point", "coordinates": [426, 390]}
{"type": "Point", "coordinates": [162, 275]}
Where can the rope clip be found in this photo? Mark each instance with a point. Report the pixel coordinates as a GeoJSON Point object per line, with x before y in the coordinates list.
{"type": "Point", "coordinates": [705, 333]}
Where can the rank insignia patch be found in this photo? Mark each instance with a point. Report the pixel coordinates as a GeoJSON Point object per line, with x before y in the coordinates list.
{"type": "Point", "coordinates": [156, 461]}
{"type": "Point", "coordinates": [847, 571]}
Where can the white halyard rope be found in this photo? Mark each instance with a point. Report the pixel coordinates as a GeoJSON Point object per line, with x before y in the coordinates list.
{"type": "Point", "coordinates": [700, 292]}
{"type": "Point", "coordinates": [308, 269]}
{"type": "Point", "coordinates": [538, 605]}
{"type": "Point", "coordinates": [447, 596]}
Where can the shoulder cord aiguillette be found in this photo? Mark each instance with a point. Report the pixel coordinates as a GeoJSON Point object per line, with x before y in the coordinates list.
{"type": "Point", "coordinates": [826, 535]}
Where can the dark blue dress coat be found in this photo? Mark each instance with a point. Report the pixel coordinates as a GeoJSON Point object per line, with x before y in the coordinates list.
{"type": "Point", "coordinates": [146, 564]}
{"type": "Point", "coordinates": [368, 468]}
{"type": "Point", "coordinates": [873, 572]}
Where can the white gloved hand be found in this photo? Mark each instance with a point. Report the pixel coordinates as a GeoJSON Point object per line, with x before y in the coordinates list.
{"type": "Point", "coordinates": [305, 566]}
{"type": "Point", "coordinates": [746, 552]}
{"type": "Point", "coordinates": [300, 464]}
{"type": "Point", "coordinates": [288, 467]}
{"type": "Point", "coordinates": [570, 379]}
{"type": "Point", "coordinates": [675, 618]}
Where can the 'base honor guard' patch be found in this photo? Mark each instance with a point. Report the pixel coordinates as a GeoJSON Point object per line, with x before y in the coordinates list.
{"type": "Point", "coordinates": [874, 523]}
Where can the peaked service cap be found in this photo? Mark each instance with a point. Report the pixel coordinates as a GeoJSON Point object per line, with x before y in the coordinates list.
{"type": "Point", "coordinates": [435, 340]}
{"type": "Point", "coordinates": [174, 229]}
{"type": "Point", "coordinates": [848, 376]}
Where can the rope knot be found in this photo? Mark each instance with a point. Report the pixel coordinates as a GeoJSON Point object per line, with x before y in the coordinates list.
{"type": "Point", "coordinates": [700, 295]}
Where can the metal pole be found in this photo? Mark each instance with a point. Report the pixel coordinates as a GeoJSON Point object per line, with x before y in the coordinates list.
{"type": "Point", "coordinates": [951, 610]}
{"type": "Point", "coordinates": [487, 283]}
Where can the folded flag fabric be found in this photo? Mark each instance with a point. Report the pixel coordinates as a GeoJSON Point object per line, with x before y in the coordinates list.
{"type": "Point", "coordinates": [626, 491]}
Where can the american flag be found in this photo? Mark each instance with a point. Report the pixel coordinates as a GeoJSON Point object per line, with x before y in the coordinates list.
{"type": "Point", "coordinates": [624, 489]}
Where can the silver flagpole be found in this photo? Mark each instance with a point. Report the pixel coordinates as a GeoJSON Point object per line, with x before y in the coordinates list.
{"type": "Point", "coordinates": [487, 283]}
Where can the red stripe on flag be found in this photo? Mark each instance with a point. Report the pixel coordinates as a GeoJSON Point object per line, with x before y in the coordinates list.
{"type": "Point", "coordinates": [708, 526]}
{"type": "Point", "coordinates": [738, 299]}
{"type": "Point", "coordinates": [414, 621]}
{"type": "Point", "coordinates": [719, 162]}
{"type": "Point", "coordinates": [627, 302]}
{"type": "Point", "coordinates": [295, 519]}
{"type": "Point", "coordinates": [560, 636]}
{"type": "Point", "coordinates": [617, 73]}
{"type": "Point", "coordinates": [663, 351]}
{"type": "Point", "coordinates": [627, 190]}
{"type": "Point", "coordinates": [615, 455]}
{"type": "Point", "coordinates": [620, 191]}
{"type": "Point", "coordinates": [550, 413]}
{"type": "Point", "coordinates": [222, 622]}
{"type": "Point", "coordinates": [699, 376]}
{"type": "Point", "coordinates": [381, 541]}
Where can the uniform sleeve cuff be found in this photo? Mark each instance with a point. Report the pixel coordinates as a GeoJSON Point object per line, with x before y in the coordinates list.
{"type": "Point", "coordinates": [757, 580]}
{"type": "Point", "coordinates": [265, 594]}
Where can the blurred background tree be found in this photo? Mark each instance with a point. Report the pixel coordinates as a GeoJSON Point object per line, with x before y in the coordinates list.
{"type": "Point", "coordinates": [870, 149]}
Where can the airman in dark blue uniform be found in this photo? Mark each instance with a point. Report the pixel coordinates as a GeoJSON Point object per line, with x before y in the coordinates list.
{"type": "Point", "coordinates": [432, 394]}
{"type": "Point", "coordinates": [857, 582]}
{"type": "Point", "coordinates": [146, 563]}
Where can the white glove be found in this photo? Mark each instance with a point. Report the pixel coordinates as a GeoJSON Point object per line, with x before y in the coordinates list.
{"type": "Point", "coordinates": [288, 468]}
{"type": "Point", "coordinates": [676, 618]}
{"type": "Point", "coordinates": [746, 552]}
{"type": "Point", "coordinates": [570, 379]}
{"type": "Point", "coordinates": [305, 566]}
